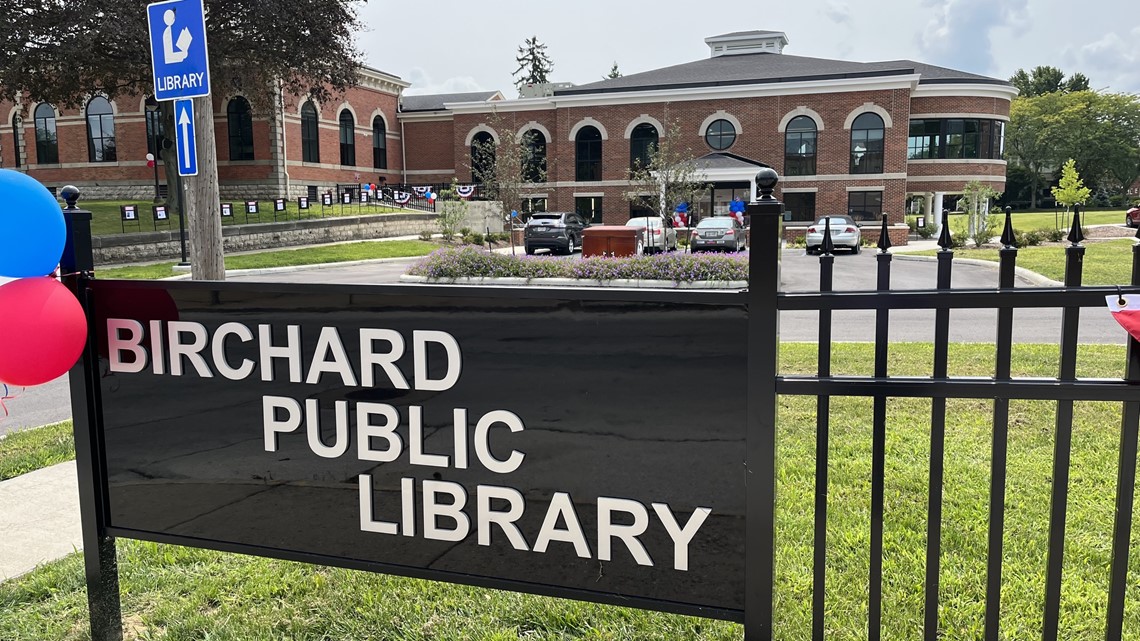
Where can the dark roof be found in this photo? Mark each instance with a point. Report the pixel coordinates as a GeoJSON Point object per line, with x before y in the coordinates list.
{"type": "Point", "coordinates": [766, 67]}
{"type": "Point", "coordinates": [435, 102]}
{"type": "Point", "coordinates": [725, 160]}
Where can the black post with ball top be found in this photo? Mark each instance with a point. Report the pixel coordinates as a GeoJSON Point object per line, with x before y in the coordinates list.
{"type": "Point", "coordinates": [100, 562]}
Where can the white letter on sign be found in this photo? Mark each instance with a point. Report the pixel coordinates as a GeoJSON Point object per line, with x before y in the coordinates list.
{"type": "Point", "coordinates": [681, 536]}
{"type": "Point", "coordinates": [434, 509]}
{"type": "Point", "coordinates": [273, 427]}
{"type": "Point", "coordinates": [116, 346]}
{"type": "Point", "coordinates": [420, 339]}
{"type": "Point", "coordinates": [607, 529]}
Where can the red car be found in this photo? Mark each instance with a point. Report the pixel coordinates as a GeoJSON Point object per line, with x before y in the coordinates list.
{"type": "Point", "coordinates": [1132, 217]}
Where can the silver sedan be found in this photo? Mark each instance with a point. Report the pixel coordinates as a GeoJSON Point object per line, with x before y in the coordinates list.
{"type": "Point", "coordinates": [844, 233]}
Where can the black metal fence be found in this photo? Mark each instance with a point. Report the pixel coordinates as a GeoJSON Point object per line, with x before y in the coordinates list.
{"type": "Point", "coordinates": [1065, 388]}
{"type": "Point", "coordinates": [765, 385]}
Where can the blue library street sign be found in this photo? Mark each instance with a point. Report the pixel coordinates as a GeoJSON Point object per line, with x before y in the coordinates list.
{"type": "Point", "coordinates": [178, 52]}
{"type": "Point", "coordinates": [184, 135]}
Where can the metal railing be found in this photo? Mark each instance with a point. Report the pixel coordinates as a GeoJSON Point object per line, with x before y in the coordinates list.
{"type": "Point", "coordinates": [1065, 388]}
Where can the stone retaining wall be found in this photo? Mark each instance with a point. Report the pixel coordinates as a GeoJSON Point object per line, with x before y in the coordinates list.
{"type": "Point", "coordinates": [133, 248]}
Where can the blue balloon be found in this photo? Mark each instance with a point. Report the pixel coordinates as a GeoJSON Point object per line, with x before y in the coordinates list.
{"type": "Point", "coordinates": [32, 231]}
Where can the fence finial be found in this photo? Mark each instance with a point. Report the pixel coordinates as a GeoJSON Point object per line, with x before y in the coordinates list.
{"type": "Point", "coordinates": [884, 237]}
{"type": "Point", "coordinates": [1076, 234]}
{"type": "Point", "coordinates": [70, 195]}
{"type": "Point", "coordinates": [827, 247]}
{"type": "Point", "coordinates": [1008, 238]}
{"type": "Point", "coordinates": [944, 237]}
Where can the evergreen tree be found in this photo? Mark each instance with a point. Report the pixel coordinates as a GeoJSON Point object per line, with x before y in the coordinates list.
{"type": "Point", "coordinates": [534, 64]}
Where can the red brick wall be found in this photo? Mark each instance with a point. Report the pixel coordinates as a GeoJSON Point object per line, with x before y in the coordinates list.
{"type": "Point", "coordinates": [960, 104]}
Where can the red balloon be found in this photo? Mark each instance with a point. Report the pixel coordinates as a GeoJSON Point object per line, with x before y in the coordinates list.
{"type": "Point", "coordinates": [42, 331]}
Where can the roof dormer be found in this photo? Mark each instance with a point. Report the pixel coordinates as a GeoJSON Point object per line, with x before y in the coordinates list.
{"type": "Point", "coordinates": [741, 42]}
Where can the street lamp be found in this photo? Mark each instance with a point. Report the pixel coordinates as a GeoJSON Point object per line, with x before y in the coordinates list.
{"type": "Point", "coordinates": [152, 120]}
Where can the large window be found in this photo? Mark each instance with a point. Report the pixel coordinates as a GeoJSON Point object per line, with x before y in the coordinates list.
{"type": "Point", "coordinates": [953, 138]}
{"type": "Point", "coordinates": [799, 147]}
{"type": "Point", "coordinates": [240, 122]}
{"type": "Point", "coordinates": [17, 137]}
{"type": "Point", "coordinates": [642, 142]}
{"type": "Point", "coordinates": [100, 131]}
{"type": "Point", "coordinates": [347, 139]}
{"type": "Point", "coordinates": [720, 135]}
{"type": "Point", "coordinates": [867, 144]}
{"type": "Point", "coordinates": [310, 137]}
{"type": "Point", "coordinates": [800, 206]}
{"type": "Point", "coordinates": [47, 144]}
{"type": "Point", "coordinates": [534, 165]}
{"type": "Point", "coordinates": [589, 207]}
{"type": "Point", "coordinates": [588, 154]}
{"type": "Point", "coordinates": [482, 157]}
{"type": "Point", "coordinates": [379, 143]}
{"type": "Point", "coordinates": [865, 206]}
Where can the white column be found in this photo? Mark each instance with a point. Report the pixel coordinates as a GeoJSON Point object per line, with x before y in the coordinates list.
{"type": "Point", "coordinates": [937, 213]}
{"type": "Point", "coordinates": [752, 185]}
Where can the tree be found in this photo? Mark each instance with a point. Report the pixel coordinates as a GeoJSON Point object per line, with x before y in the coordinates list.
{"type": "Point", "coordinates": [671, 175]}
{"type": "Point", "coordinates": [1072, 189]}
{"type": "Point", "coordinates": [452, 211]}
{"type": "Point", "coordinates": [614, 73]}
{"type": "Point", "coordinates": [507, 168]}
{"type": "Point", "coordinates": [1045, 79]}
{"type": "Point", "coordinates": [60, 51]}
{"type": "Point", "coordinates": [1030, 138]}
{"type": "Point", "coordinates": [534, 65]}
{"type": "Point", "coordinates": [975, 201]}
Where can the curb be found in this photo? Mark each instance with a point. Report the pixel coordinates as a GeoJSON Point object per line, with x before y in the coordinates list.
{"type": "Point", "coordinates": [1033, 277]}
{"type": "Point", "coordinates": [575, 282]}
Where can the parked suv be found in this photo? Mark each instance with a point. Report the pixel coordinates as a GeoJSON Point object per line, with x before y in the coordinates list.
{"type": "Point", "coordinates": [659, 233]}
{"type": "Point", "coordinates": [560, 232]}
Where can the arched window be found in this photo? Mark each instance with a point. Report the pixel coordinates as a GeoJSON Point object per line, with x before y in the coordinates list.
{"type": "Point", "coordinates": [534, 165]}
{"type": "Point", "coordinates": [241, 129]}
{"type": "Point", "coordinates": [588, 154]}
{"type": "Point", "coordinates": [347, 139]}
{"type": "Point", "coordinates": [379, 144]}
{"type": "Point", "coordinates": [642, 140]}
{"type": "Point", "coordinates": [867, 144]}
{"type": "Point", "coordinates": [47, 145]}
{"type": "Point", "coordinates": [100, 130]}
{"type": "Point", "coordinates": [720, 135]}
{"type": "Point", "coordinates": [17, 126]}
{"type": "Point", "coordinates": [310, 138]}
{"type": "Point", "coordinates": [482, 157]}
{"type": "Point", "coordinates": [799, 147]}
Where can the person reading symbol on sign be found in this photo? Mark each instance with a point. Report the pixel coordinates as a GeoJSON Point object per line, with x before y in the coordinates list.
{"type": "Point", "coordinates": [169, 52]}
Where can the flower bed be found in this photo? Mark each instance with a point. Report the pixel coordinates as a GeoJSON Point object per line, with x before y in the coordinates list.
{"type": "Point", "coordinates": [471, 262]}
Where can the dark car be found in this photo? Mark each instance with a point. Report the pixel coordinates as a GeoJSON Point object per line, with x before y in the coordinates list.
{"type": "Point", "coordinates": [560, 232]}
{"type": "Point", "coordinates": [720, 233]}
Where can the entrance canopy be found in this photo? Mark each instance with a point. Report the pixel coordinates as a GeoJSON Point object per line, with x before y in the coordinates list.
{"type": "Point", "coordinates": [728, 177]}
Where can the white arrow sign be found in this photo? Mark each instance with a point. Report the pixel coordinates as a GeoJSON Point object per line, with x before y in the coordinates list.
{"type": "Point", "coordinates": [187, 146]}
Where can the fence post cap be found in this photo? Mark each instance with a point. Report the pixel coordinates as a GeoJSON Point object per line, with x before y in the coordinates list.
{"type": "Point", "coordinates": [70, 195]}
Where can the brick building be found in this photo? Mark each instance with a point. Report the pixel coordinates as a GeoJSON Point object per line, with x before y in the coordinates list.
{"type": "Point", "coordinates": [845, 136]}
{"type": "Point", "coordinates": [297, 148]}
{"type": "Point", "coordinates": [860, 138]}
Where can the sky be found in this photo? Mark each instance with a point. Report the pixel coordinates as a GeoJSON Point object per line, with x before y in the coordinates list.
{"type": "Point", "coordinates": [444, 46]}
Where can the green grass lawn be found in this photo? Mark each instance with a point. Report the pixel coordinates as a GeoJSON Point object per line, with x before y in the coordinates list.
{"type": "Point", "coordinates": [287, 257]}
{"type": "Point", "coordinates": [27, 450]}
{"type": "Point", "coordinates": [1106, 263]}
{"type": "Point", "coordinates": [175, 593]}
{"type": "Point", "coordinates": [106, 220]}
{"type": "Point", "coordinates": [1042, 220]}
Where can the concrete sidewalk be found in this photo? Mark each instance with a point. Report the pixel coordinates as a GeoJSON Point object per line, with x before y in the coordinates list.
{"type": "Point", "coordinates": [39, 519]}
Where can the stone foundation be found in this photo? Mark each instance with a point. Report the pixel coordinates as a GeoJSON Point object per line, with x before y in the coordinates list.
{"type": "Point", "coordinates": [133, 248]}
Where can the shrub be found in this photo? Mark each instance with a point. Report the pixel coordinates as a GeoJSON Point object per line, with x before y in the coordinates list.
{"type": "Point", "coordinates": [465, 231]}
{"type": "Point", "coordinates": [1055, 235]}
{"type": "Point", "coordinates": [426, 235]}
{"type": "Point", "coordinates": [475, 238]}
{"type": "Point", "coordinates": [448, 263]}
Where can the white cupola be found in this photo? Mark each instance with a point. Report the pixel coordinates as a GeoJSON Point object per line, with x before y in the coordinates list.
{"type": "Point", "coordinates": [747, 42]}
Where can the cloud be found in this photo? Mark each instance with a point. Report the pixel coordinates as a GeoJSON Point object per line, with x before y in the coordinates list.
{"type": "Point", "coordinates": [958, 35]}
{"type": "Point", "coordinates": [837, 12]}
{"type": "Point", "coordinates": [1110, 61]}
{"type": "Point", "coordinates": [422, 83]}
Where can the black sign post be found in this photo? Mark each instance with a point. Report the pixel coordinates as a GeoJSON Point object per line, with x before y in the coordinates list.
{"type": "Point", "coordinates": [129, 214]}
{"type": "Point", "coordinates": [160, 215]}
{"type": "Point", "coordinates": [227, 211]}
{"type": "Point", "coordinates": [252, 208]}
